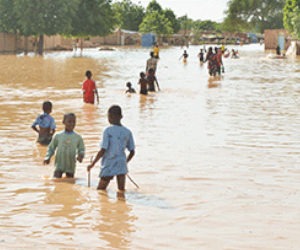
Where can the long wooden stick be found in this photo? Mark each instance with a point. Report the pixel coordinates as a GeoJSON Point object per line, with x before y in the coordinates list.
{"type": "Point", "coordinates": [89, 174]}
{"type": "Point", "coordinates": [132, 181]}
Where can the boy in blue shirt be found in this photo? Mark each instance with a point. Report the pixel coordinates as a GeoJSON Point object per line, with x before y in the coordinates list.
{"type": "Point", "coordinates": [46, 125]}
{"type": "Point", "coordinates": [116, 138]}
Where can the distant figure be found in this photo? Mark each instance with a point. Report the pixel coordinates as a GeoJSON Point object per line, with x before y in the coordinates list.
{"type": "Point", "coordinates": [201, 56]}
{"type": "Point", "coordinates": [151, 62]}
{"type": "Point", "coordinates": [116, 139]}
{"type": "Point", "coordinates": [143, 83]}
{"type": "Point", "coordinates": [46, 125]}
{"type": "Point", "coordinates": [67, 145]}
{"type": "Point", "coordinates": [212, 62]}
{"type": "Point", "coordinates": [151, 79]}
{"type": "Point", "coordinates": [220, 66]}
{"type": "Point", "coordinates": [156, 51]}
{"type": "Point", "coordinates": [185, 55]}
{"type": "Point", "coordinates": [89, 89]}
{"type": "Point", "coordinates": [223, 48]}
{"type": "Point", "coordinates": [278, 51]}
{"type": "Point", "coordinates": [130, 89]}
{"type": "Point", "coordinates": [234, 53]}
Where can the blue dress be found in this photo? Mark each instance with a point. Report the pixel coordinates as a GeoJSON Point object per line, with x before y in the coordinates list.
{"type": "Point", "coordinates": [115, 140]}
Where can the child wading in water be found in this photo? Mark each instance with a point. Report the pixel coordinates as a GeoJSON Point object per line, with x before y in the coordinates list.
{"type": "Point", "coordinates": [68, 144]}
{"type": "Point", "coordinates": [144, 84]}
{"type": "Point", "coordinates": [46, 125]}
{"type": "Point", "coordinates": [130, 89]}
{"type": "Point", "coordinates": [116, 138]}
{"type": "Point", "coordinates": [151, 78]}
{"type": "Point", "coordinates": [89, 89]}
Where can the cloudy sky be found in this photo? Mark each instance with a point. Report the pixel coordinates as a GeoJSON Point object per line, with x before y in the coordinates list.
{"type": "Point", "coordinates": [195, 9]}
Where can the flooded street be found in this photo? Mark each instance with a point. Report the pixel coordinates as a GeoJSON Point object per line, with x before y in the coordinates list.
{"type": "Point", "coordinates": [217, 162]}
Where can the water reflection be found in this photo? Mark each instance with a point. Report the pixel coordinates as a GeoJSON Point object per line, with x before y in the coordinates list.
{"type": "Point", "coordinates": [65, 200]}
{"type": "Point", "coordinates": [116, 222]}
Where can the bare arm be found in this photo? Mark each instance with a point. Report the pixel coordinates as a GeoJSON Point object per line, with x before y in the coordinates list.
{"type": "Point", "coordinates": [131, 154]}
{"type": "Point", "coordinates": [98, 156]}
{"type": "Point", "coordinates": [96, 92]}
{"type": "Point", "coordinates": [35, 129]}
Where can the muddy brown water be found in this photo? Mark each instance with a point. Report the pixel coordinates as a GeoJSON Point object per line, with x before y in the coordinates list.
{"type": "Point", "coordinates": [217, 161]}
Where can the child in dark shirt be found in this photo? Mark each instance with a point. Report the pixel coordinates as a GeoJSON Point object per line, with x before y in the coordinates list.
{"type": "Point", "coordinates": [151, 78]}
{"type": "Point", "coordinates": [144, 84]}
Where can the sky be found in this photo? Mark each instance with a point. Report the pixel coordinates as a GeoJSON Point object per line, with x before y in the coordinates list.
{"type": "Point", "coordinates": [195, 9]}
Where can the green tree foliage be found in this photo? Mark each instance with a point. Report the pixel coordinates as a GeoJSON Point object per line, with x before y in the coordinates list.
{"type": "Point", "coordinates": [154, 6]}
{"type": "Point", "coordinates": [205, 25]}
{"type": "Point", "coordinates": [8, 20]}
{"type": "Point", "coordinates": [44, 17]}
{"type": "Point", "coordinates": [169, 14]}
{"type": "Point", "coordinates": [93, 18]}
{"type": "Point", "coordinates": [256, 15]}
{"type": "Point", "coordinates": [185, 23]}
{"type": "Point", "coordinates": [291, 17]}
{"type": "Point", "coordinates": [157, 23]}
{"type": "Point", "coordinates": [129, 16]}
{"type": "Point", "coordinates": [155, 20]}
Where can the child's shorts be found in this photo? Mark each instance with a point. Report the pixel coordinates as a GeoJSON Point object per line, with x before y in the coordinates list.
{"type": "Point", "coordinates": [59, 173]}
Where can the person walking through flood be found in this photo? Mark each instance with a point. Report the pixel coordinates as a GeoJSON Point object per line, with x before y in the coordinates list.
{"type": "Point", "coordinates": [185, 55]}
{"type": "Point", "coordinates": [89, 89]}
{"type": "Point", "coordinates": [46, 124]}
{"type": "Point", "coordinates": [151, 79]}
{"type": "Point", "coordinates": [69, 147]}
{"type": "Point", "coordinates": [116, 139]}
{"type": "Point", "coordinates": [151, 63]}
{"type": "Point", "coordinates": [143, 82]}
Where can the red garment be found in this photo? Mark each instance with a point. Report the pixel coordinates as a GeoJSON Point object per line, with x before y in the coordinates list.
{"type": "Point", "coordinates": [89, 87]}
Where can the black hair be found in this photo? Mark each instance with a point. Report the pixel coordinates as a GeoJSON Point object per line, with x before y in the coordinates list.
{"type": "Point", "coordinates": [88, 73]}
{"type": "Point", "coordinates": [128, 84]}
{"type": "Point", "coordinates": [47, 105]}
{"type": "Point", "coordinates": [115, 109]}
{"type": "Point", "coordinates": [68, 115]}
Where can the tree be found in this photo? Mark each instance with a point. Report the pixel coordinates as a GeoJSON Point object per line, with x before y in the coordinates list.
{"type": "Point", "coordinates": [156, 23]}
{"type": "Point", "coordinates": [291, 17]}
{"type": "Point", "coordinates": [169, 14]}
{"type": "Point", "coordinates": [93, 18]}
{"type": "Point", "coordinates": [43, 17]}
{"type": "Point", "coordinates": [154, 6]}
{"type": "Point", "coordinates": [205, 25]}
{"type": "Point", "coordinates": [129, 16]}
{"type": "Point", "coordinates": [186, 24]}
{"type": "Point", "coordinates": [254, 14]}
{"type": "Point", "coordinates": [8, 20]}
{"type": "Point", "coordinates": [155, 20]}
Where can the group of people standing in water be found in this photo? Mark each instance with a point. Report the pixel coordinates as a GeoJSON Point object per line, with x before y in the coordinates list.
{"type": "Point", "coordinates": [68, 146]}
{"type": "Point", "coordinates": [213, 57]}
{"type": "Point", "coordinates": [148, 81]}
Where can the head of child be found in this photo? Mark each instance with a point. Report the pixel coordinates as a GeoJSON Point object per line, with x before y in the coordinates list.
{"type": "Point", "coordinates": [115, 115]}
{"type": "Point", "coordinates": [88, 74]}
{"type": "Point", "coordinates": [69, 121]}
{"type": "Point", "coordinates": [142, 75]}
{"type": "Point", "coordinates": [47, 107]}
{"type": "Point", "coordinates": [128, 85]}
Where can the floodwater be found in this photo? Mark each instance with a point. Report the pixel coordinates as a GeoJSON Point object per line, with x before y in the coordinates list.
{"type": "Point", "coordinates": [217, 161]}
